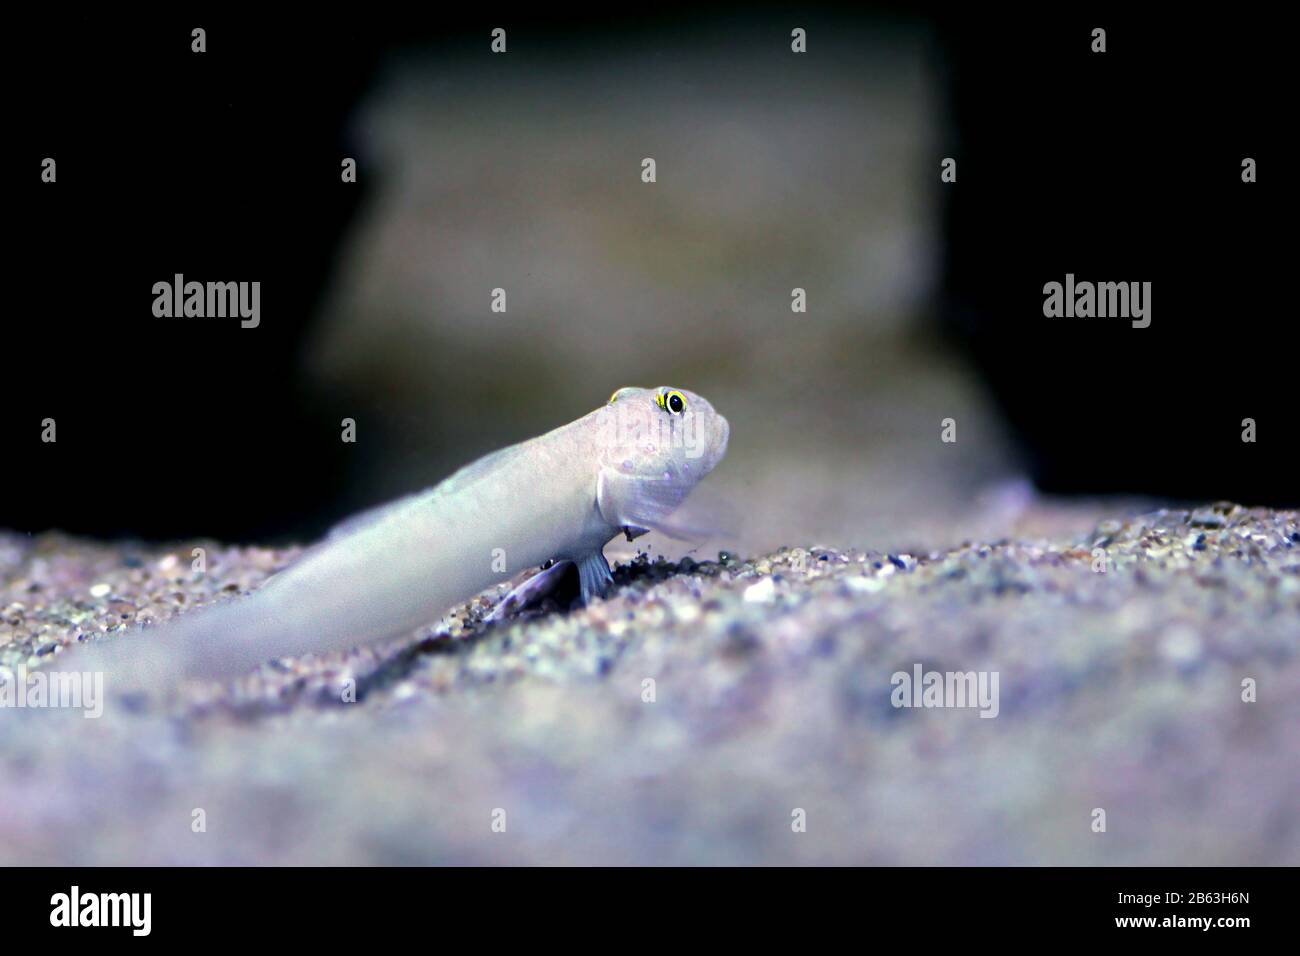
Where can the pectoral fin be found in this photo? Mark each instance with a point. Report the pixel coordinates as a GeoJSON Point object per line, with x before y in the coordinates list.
{"type": "Point", "coordinates": [594, 574]}
{"type": "Point", "coordinates": [640, 503]}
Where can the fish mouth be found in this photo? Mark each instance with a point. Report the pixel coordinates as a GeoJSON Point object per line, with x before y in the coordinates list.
{"type": "Point", "coordinates": [724, 434]}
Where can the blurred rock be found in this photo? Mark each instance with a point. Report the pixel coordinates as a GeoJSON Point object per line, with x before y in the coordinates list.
{"type": "Point", "coordinates": [774, 172]}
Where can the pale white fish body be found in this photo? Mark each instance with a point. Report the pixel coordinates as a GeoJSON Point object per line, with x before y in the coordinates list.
{"type": "Point", "coordinates": [388, 571]}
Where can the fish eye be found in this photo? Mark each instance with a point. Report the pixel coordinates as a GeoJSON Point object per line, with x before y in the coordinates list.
{"type": "Point", "coordinates": [675, 402]}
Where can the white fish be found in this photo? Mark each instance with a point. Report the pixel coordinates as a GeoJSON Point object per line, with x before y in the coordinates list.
{"type": "Point", "coordinates": [622, 469]}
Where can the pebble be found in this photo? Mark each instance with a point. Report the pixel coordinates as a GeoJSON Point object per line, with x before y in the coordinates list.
{"type": "Point", "coordinates": [1207, 518]}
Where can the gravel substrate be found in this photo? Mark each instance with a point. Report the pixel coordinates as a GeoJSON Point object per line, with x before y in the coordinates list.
{"type": "Point", "coordinates": [1119, 689]}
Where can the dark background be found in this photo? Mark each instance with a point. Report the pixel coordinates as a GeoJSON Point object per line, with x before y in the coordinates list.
{"type": "Point", "coordinates": [1127, 164]}
{"type": "Point", "coordinates": [225, 166]}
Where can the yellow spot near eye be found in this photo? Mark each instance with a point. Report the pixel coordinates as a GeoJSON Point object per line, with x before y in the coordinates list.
{"type": "Point", "coordinates": [614, 396]}
{"type": "Point", "coordinates": [661, 398]}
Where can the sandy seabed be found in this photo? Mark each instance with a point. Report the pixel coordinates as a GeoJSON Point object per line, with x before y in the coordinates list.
{"type": "Point", "coordinates": [737, 710]}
